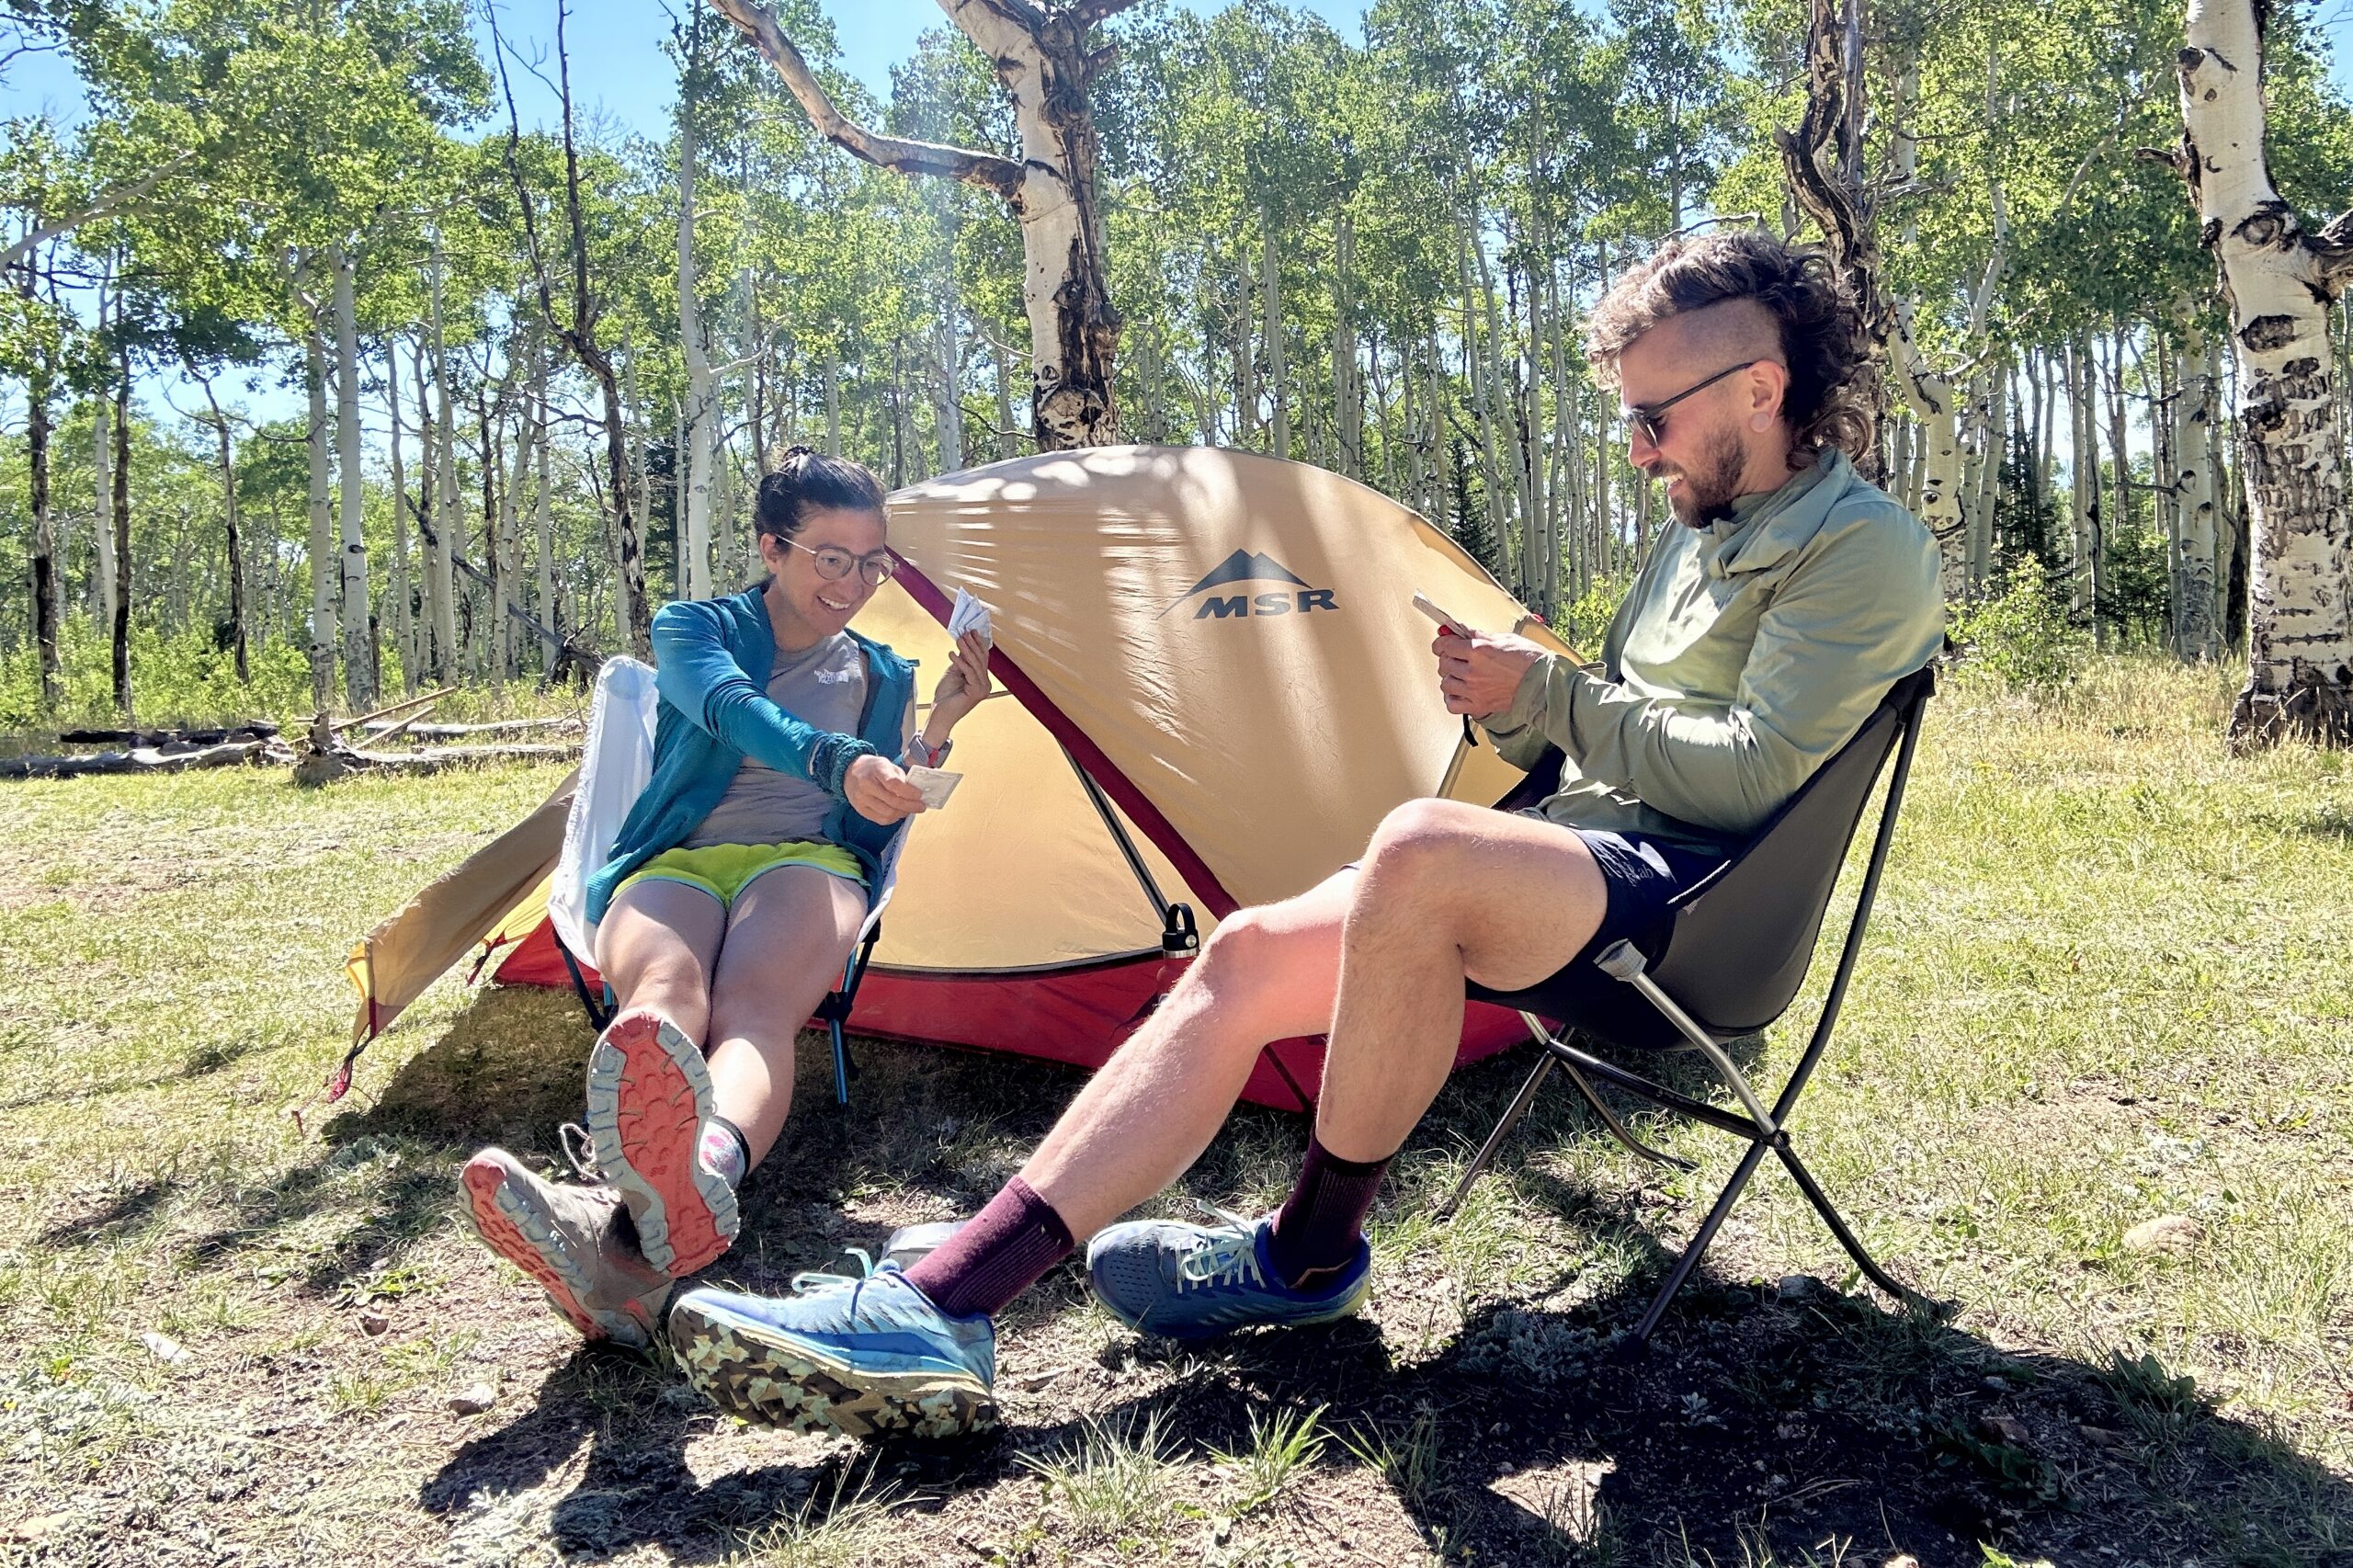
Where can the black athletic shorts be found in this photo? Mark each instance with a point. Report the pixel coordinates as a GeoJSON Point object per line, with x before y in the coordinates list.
{"type": "Point", "coordinates": [1641, 873]}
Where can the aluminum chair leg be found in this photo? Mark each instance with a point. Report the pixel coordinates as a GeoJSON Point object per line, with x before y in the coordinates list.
{"type": "Point", "coordinates": [1830, 1217]}
{"type": "Point", "coordinates": [1511, 1119]}
{"type": "Point", "coordinates": [1699, 1247]}
{"type": "Point", "coordinates": [841, 1061]}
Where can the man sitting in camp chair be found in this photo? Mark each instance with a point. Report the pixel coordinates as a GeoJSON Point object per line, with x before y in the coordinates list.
{"type": "Point", "coordinates": [1755, 639]}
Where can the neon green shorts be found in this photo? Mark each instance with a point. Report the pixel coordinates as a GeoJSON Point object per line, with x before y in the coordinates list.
{"type": "Point", "coordinates": [724, 870]}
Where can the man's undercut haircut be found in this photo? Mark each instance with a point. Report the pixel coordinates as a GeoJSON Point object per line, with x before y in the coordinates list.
{"type": "Point", "coordinates": [1820, 331]}
{"type": "Point", "coordinates": [808, 478]}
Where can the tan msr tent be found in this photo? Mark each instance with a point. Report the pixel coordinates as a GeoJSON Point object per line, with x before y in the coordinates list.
{"type": "Point", "coordinates": [1217, 686]}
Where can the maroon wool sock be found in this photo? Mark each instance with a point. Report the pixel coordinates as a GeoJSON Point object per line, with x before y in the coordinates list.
{"type": "Point", "coordinates": [1001, 1252]}
{"type": "Point", "coordinates": [1319, 1223]}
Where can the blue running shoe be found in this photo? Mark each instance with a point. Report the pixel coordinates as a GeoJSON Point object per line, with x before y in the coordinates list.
{"type": "Point", "coordinates": [1184, 1282]}
{"type": "Point", "coordinates": [860, 1356]}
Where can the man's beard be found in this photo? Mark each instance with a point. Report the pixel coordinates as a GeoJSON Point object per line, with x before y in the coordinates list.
{"type": "Point", "coordinates": [1708, 490]}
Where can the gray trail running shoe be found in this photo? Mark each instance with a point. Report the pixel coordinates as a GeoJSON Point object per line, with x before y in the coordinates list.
{"type": "Point", "coordinates": [575, 1243]}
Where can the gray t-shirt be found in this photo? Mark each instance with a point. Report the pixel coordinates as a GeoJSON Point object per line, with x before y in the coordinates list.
{"type": "Point", "coordinates": [825, 687]}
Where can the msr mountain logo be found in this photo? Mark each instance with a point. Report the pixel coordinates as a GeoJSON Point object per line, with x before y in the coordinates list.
{"type": "Point", "coordinates": [1252, 566]}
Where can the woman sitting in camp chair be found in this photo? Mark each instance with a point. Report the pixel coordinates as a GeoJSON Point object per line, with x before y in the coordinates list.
{"type": "Point", "coordinates": [738, 884]}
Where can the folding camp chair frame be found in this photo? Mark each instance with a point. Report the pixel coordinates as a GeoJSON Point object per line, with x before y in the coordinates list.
{"type": "Point", "coordinates": [1765, 1129]}
{"type": "Point", "coordinates": [833, 1012]}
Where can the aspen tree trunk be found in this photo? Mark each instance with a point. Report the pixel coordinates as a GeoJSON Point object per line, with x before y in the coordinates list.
{"type": "Point", "coordinates": [44, 550]}
{"type": "Point", "coordinates": [1271, 287]}
{"type": "Point", "coordinates": [2279, 281]}
{"type": "Point", "coordinates": [1006, 444]}
{"type": "Point", "coordinates": [948, 407]}
{"type": "Point", "coordinates": [2197, 634]}
{"type": "Point", "coordinates": [1044, 63]}
{"type": "Point", "coordinates": [396, 579]}
{"type": "Point", "coordinates": [543, 523]}
{"type": "Point", "coordinates": [237, 612]}
{"type": "Point", "coordinates": [359, 651]}
{"type": "Point", "coordinates": [120, 525]}
{"type": "Point", "coordinates": [442, 590]}
{"type": "Point", "coordinates": [637, 506]}
{"type": "Point", "coordinates": [694, 514]}
{"type": "Point", "coordinates": [323, 560]}
{"type": "Point", "coordinates": [2083, 461]}
{"type": "Point", "coordinates": [506, 548]}
{"type": "Point", "coordinates": [1348, 389]}
{"type": "Point", "coordinates": [833, 401]}
{"type": "Point", "coordinates": [102, 534]}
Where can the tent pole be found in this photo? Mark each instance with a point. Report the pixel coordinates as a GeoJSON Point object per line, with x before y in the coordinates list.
{"type": "Point", "coordinates": [1119, 837]}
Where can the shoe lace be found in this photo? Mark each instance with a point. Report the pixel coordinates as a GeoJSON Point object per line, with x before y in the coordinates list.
{"type": "Point", "coordinates": [818, 1278]}
{"type": "Point", "coordinates": [1223, 1254]}
{"type": "Point", "coordinates": [580, 1150]}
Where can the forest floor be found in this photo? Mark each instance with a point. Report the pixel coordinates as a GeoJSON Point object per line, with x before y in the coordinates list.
{"type": "Point", "coordinates": [2111, 979]}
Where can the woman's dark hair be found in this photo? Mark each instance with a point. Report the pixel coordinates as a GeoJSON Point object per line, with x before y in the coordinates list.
{"type": "Point", "coordinates": [811, 478]}
{"type": "Point", "coordinates": [1829, 399]}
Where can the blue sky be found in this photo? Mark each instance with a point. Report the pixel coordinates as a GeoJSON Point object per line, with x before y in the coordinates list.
{"type": "Point", "coordinates": [617, 67]}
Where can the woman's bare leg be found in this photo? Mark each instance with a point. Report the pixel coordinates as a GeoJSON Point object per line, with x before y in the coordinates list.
{"type": "Point", "coordinates": [656, 947]}
{"type": "Point", "coordinates": [787, 939]}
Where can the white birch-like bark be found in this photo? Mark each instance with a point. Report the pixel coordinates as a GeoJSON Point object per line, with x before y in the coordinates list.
{"type": "Point", "coordinates": [101, 513]}
{"type": "Point", "coordinates": [638, 506]}
{"type": "Point", "coordinates": [1270, 290]}
{"type": "Point", "coordinates": [694, 531]}
{"type": "Point", "coordinates": [1041, 59]}
{"type": "Point", "coordinates": [358, 653]}
{"type": "Point", "coordinates": [397, 583]}
{"type": "Point", "coordinates": [2196, 635]}
{"type": "Point", "coordinates": [543, 520]}
{"type": "Point", "coordinates": [442, 590]}
{"type": "Point", "coordinates": [2280, 282]}
{"type": "Point", "coordinates": [322, 568]}
{"type": "Point", "coordinates": [2084, 576]}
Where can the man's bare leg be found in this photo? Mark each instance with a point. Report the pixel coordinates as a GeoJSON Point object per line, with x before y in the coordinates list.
{"type": "Point", "coordinates": [1267, 973]}
{"type": "Point", "coordinates": [1448, 891]}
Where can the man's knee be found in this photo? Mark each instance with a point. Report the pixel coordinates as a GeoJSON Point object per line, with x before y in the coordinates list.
{"type": "Point", "coordinates": [1419, 843]}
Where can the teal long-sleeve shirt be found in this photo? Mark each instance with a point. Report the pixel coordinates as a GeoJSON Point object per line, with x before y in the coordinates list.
{"type": "Point", "coordinates": [1745, 654]}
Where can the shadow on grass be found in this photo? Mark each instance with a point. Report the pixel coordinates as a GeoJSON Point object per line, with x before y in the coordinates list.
{"type": "Point", "coordinates": [923, 1138]}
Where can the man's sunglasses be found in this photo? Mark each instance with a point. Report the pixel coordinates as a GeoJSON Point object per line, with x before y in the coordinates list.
{"type": "Point", "coordinates": [834, 563]}
{"type": "Point", "coordinates": [1650, 418]}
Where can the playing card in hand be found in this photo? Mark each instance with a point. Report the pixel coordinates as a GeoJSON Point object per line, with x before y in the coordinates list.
{"type": "Point", "coordinates": [934, 784]}
{"type": "Point", "coordinates": [969, 615]}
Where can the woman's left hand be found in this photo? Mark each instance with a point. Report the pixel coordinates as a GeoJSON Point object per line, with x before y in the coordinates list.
{"type": "Point", "coordinates": [960, 689]}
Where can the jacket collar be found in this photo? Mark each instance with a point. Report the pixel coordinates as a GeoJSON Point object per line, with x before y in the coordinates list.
{"type": "Point", "coordinates": [1784, 519]}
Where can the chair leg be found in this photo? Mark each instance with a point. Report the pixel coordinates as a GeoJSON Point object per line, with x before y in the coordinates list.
{"type": "Point", "coordinates": [1822, 1206]}
{"type": "Point", "coordinates": [1511, 1119]}
{"type": "Point", "coordinates": [841, 1061]}
{"type": "Point", "coordinates": [1693, 1252]}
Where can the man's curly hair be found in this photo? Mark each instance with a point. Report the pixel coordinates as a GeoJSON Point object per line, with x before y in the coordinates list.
{"type": "Point", "coordinates": [1829, 402]}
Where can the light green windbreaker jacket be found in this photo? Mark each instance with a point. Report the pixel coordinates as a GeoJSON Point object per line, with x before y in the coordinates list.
{"type": "Point", "coordinates": [1745, 654]}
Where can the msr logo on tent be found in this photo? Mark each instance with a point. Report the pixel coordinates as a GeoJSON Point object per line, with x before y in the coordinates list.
{"type": "Point", "coordinates": [1254, 566]}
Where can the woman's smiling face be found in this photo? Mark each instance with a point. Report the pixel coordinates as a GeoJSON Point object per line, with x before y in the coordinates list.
{"type": "Point", "coordinates": [828, 534]}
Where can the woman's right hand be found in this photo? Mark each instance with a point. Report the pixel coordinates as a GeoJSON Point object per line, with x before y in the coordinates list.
{"type": "Point", "coordinates": [879, 790]}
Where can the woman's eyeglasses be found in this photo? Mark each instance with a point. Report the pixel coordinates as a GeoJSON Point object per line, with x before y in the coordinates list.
{"type": "Point", "coordinates": [1650, 418]}
{"type": "Point", "coordinates": [833, 562]}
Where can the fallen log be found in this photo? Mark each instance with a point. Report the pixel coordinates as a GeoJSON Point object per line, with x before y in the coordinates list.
{"type": "Point", "coordinates": [439, 758]}
{"type": "Point", "coordinates": [252, 729]}
{"type": "Point", "coordinates": [147, 759]}
{"type": "Point", "coordinates": [381, 731]}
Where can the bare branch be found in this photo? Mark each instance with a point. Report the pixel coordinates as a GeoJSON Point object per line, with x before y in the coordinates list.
{"type": "Point", "coordinates": [1090, 13]}
{"type": "Point", "coordinates": [113, 201]}
{"type": "Point", "coordinates": [988, 170]}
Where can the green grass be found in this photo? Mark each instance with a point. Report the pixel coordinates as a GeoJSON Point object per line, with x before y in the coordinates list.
{"type": "Point", "coordinates": [2110, 978]}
